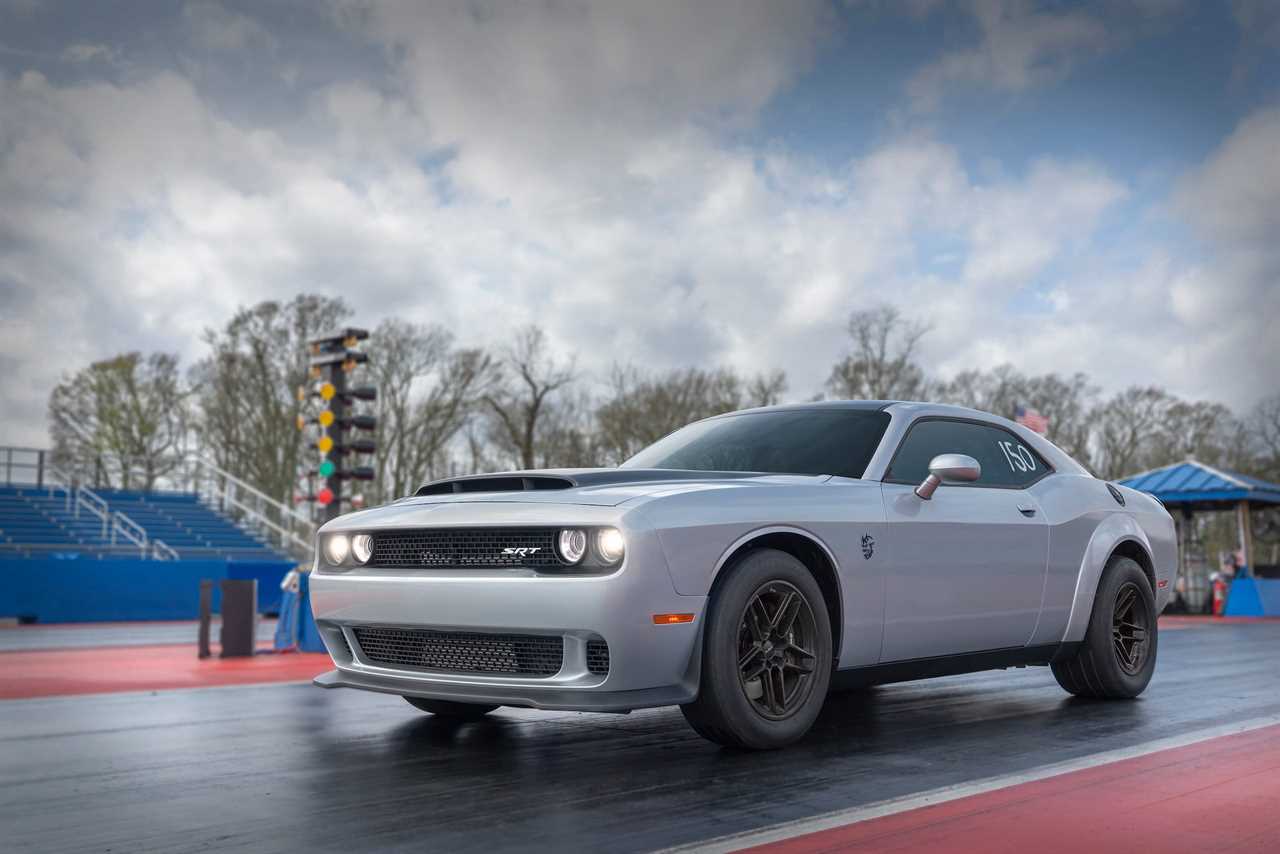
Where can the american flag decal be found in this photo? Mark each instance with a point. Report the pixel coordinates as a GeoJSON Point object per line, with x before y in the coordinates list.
{"type": "Point", "coordinates": [1031, 419]}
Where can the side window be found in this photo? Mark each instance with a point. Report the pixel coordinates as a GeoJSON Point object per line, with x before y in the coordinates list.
{"type": "Point", "coordinates": [1005, 459]}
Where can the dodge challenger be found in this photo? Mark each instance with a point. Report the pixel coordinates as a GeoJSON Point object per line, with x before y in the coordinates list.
{"type": "Point", "coordinates": [747, 564]}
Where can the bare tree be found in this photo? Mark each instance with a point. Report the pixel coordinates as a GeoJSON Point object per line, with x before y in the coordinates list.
{"type": "Point", "coordinates": [247, 403]}
{"type": "Point", "coordinates": [767, 389]}
{"type": "Point", "coordinates": [643, 408]}
{"type": "Point", "coordinates": [427, 391]}
{"type": "Point", "coordinates": [127, 414]}
{"type": "Point", "coordinates": [1123, 426]}
{"type": "Point", "coordinates": [1065, 401]}
{"type": "Point", "coordinates": [880, 364]}
{"type": "Point", "coordinates": [518, 405]}
{"type": "Point", "coordinates": [1263, 434]}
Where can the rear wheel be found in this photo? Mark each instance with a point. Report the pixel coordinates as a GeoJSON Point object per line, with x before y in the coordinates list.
{"type": "Point", "coordinates": [450, 709]}
{"type": "Point", "coordinates": [1118, 655]}
{"type": "Point", "coordinates": [766, 655]}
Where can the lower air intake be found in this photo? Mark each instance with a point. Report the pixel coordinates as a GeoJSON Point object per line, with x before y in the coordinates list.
{"type": "Point", "coordinates": [597, 657]}
{"type": "Point", "coordinates": [461, 652]}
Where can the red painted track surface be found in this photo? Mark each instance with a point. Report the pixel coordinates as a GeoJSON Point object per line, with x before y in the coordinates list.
{"type": "Point", "coordinates": [49, 673]}
{"type": "Point", "coordinates": [1218, 795]}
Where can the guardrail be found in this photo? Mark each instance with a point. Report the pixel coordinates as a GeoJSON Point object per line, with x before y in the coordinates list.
{"type": "Point", "coordinates": [19, 464]}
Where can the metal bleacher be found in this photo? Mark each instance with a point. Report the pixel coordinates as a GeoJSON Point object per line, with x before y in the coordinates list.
{"type": "Point", "coordinates": [187, 526]}
{"type": "Point", "coordinates": [36, 521]}
{"type": "Point", "coordinates": [195, 511]}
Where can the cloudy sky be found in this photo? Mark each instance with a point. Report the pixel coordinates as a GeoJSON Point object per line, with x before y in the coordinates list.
{"type": "Point", "coordinates": [1063, 187]}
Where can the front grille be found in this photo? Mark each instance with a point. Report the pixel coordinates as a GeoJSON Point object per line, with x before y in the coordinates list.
{"type": "Point", "coordinates": [461, 652]}
{"type": "Point", "coordinates": [597, 656]}
{"type": "Point", "coordinates": [466, 548]}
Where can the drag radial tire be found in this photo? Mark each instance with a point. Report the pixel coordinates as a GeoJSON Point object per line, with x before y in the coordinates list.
{"type": "Point", "coordinates": [766, 655]}
{"type": "Point", "coordinates": [1118, 655]}
{"type": "Point", "coordinates": [450, 709]}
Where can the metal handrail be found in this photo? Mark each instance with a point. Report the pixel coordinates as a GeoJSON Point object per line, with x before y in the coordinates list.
{"type": "Point", "coordinates": [57, 482]}
{"type": "Point", "coordinates": [286, 535]}
{"type": "Point", "coordinates": [289, 529]}
{"type": "Point", "coordinates": [132, 531]}
{"type": "Point", "coordinates": [95, 504]}
{"type": "Point", "coordinates": [160, 550]}
{"type": "Point", "coordinates": [242, 486]}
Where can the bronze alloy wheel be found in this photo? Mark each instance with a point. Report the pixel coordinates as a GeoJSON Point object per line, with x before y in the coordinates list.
{"type": "Point", "coordinates": [776, 657]}
{"type": "Point", "coordinates": [1130, 629]}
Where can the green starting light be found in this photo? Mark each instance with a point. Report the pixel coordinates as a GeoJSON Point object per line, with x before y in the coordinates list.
{"type": "Point", "coordinates": [326, 468]}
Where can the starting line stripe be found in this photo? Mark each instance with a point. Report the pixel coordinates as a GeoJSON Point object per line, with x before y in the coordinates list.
{"type": "Point", "coordinates": [879, 809]}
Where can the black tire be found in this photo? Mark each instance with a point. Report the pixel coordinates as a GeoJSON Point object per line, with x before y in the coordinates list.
{"type": "Point", "coordinates": [1109, 665]}
{"type": "Point", "coordinates": [450, 709]}
{"type": "Point", "coordinates": [778, 714]}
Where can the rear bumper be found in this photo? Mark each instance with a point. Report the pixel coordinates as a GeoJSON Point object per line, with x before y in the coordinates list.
{"type": "Point", "coordinates": [649, 665]}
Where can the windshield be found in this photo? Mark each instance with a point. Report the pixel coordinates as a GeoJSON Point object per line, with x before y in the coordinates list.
{"type": "Point", "coordinates": [788, 441]}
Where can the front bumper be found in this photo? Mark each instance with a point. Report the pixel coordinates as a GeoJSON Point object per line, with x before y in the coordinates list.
{"type": "Point", "coordinates": [649, 665]}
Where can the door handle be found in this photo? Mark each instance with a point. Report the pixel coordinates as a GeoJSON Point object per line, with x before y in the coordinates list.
{"type": "Point", "coordinates": [1027, 510]}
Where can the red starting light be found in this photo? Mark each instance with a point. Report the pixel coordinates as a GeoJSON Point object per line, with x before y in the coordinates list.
{"type": "Point", "coordinates": [324, 497]}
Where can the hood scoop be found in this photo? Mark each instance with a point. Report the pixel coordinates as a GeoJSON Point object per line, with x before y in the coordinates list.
{"type": "Point", "coordinates": [495, 483]}
{"type": "Point", "coordinates": [525, 481]}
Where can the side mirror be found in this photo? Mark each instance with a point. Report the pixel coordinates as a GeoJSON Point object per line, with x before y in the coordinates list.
{"type": "Point", "coordinates": [953, 468]}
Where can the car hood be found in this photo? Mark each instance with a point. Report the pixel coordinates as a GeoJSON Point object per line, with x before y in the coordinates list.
{"type": "Point", "coordinates": [599, 487]}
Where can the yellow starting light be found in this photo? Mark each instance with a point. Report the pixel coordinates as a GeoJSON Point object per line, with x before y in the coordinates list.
{"type": "Point", "coordinates": [671, 619]}
{"type": "Point", "coordinates": [325, 444]}
{"type": "Point", "coordinates": [349, 365]}
{"type": "Point", "coordinates": [327, 391]}
{"type": "Point", "coordinates": [325, 418]}
{"type": "Point", "coordinates": [301, 422]}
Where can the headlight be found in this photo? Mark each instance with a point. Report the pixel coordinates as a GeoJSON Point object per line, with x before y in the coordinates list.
{"type": "Point", "coordinates": [610, 545]}
{"type": "Point", "coordinates": [362, 547]}
{"type": "Point", "coordinates": [572, 544]}
{"type": "Point", "coordinates": [336, 548]}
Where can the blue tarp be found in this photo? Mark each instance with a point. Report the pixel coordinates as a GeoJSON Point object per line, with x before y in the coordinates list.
{"type": "Point", "coordinates": [1254, 597]}
{"type": "Point", "coordinates": [297, 627]}
{"type": "Point", "coordinates": [52, 590]}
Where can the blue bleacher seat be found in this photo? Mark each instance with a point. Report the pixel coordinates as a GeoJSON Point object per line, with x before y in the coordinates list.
{"type": "Point", "coordinates": [33, 522]}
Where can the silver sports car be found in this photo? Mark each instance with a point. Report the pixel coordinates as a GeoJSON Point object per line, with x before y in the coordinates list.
{"type": "Point", "coordinates": [745, 565]}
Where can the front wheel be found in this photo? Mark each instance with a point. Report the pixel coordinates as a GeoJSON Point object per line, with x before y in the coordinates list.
{"type": "Point", "coordinates": [766, 655]}
{"type": "Point", "coordinates": [450, 709]}
{"type": "Point", "coordinates": [1118, 655]}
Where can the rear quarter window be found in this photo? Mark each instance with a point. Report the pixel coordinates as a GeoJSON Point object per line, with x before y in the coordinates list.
{"type": "Point", "coordinates": [1006, 460]}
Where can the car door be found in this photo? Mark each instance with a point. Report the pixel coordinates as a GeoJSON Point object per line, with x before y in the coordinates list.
{"type": "Point", "coordinates": [966, 568]}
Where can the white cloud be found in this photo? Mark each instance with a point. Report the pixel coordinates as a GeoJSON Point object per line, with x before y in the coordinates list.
{"type": "Point", "coordinates": [1020, 46]}
{"type": "Point", "coordinates": [86, 52]}
{"type": "Point", "coordinates": [216, 27]}
{"type": "Point", "coordinates": [580, 170]}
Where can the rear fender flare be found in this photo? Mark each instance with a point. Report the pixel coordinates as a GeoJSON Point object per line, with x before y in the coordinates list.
{"type": "Point", "coordinates": [1115, 529]}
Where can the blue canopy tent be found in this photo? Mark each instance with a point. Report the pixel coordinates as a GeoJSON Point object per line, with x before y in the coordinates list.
{"type": "Point", "coordinates": [1190, 487]}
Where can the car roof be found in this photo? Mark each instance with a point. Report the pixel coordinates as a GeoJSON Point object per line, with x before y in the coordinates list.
{"type": "Point", "coordinates": [915, 407]}
{"type": "Point", "coordinates": [912, 409]}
